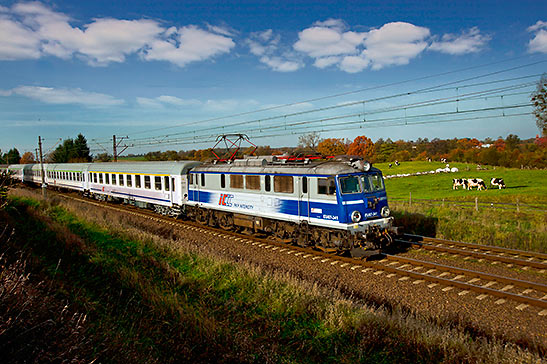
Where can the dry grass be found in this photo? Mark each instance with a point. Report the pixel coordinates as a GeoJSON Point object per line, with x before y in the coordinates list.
{"type": "Point", "coordinates": [191, 274]}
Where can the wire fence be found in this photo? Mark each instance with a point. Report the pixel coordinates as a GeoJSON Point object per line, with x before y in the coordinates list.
{"type": "Point", "coordinates": [475, 204]}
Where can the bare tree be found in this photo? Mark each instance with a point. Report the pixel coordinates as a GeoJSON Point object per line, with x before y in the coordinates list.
{"type": "Point", "coordinates": [539, 99]}
{"type": "Point", "coordinates": [309, 141]}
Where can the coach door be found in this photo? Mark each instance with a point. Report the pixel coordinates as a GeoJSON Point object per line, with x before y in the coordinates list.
{"type": "Point", "coordinates": [303, 189]}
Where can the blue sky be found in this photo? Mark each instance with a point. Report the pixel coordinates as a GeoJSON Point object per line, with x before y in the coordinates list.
{"type": "Point", "coordinates": [173, 75]}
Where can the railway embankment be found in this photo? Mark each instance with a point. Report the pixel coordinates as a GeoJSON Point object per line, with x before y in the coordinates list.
{"type": "Point", "coordinates": [150, 292]}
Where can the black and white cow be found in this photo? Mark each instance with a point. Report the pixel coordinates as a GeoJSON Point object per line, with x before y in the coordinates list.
{"type": "Point", "coordinates": [476, 182]}
{"type": "Point", "coordinates": [497, 182]}
{"type": "Point", "coordinates": [456, 182]}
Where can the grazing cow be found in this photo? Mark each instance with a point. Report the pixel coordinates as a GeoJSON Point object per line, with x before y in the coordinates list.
{"type": "Point", "coordinates": [429, 160]}
{"type": "Point", "coordinates": [476, 182]}
{"type": "Point", "coordinates": [497, 182]}
{"type": "Point", "coordinates": [390, 165]}
{"type": "Point", "coordinates": [397, 163]}
{"type": "Point", "coordinates": [456, 182]}
{"type": "Point", "coordinates": [443, 160]}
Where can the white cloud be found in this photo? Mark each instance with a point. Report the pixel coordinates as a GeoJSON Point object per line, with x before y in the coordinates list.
{"type": "Point", "coordinates": [35, 30]}
{"type": "Point", "coordinates": [267, 47]}
{"type": "Point", "coordinates": [164, 100]}
{"type": "Point", "coordinates": [328, 38]}
{"type": "Point", "coordinates": [16, 41]}
{"type": "Point", "coordinates": [187, 45]}
{"type": "Point", "coordinates": [471, 41]}
{"type": "Point", "coordinates": [539, 42]}
{"type": "Point", "coordinates": [394, 44]}
{"type": "Point", "coordinates": [52, 95]}
{"type": "Point", "coordinates": [330, 43]}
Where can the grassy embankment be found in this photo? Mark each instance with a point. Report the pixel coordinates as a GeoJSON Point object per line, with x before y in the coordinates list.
{"type": "Point", "coordinates": [526, 229]}
{"type": "Point", "coordinates": [150, 299]}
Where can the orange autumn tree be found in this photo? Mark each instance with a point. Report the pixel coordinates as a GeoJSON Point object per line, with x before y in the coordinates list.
{"type": "Point", "coordinates": [362, 147]}
{"type": "Point", "coordinates": [333, 146]}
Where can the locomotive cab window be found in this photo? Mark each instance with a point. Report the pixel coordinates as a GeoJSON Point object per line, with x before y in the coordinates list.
{"type": "Point", "coordinates": [372, 182]}
{"type": "Point", "coordinates": [350, 184]}
{"type": "Point", "coordinates": [190, 178]}
{"type": "Point", "coordinates": [283, 184]}
{"type": "Point", "coordinates": [222, 181]}
{"type": "Point", "coordinates": [203, 180]}
{"type": "Point", "coordinates": [326, 186]}
{"type": "Point", "coordinates": [304, 185]}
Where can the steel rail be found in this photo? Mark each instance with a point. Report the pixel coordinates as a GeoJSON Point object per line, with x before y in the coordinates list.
{"type": "Point", "coordinates": [359, 263]}
{"type": "Point", "coordinates": [467, 272]}
{"type": "Point", "coordinates": [470, 253]}
{"type": "Point", "coordinates": [496, 249]}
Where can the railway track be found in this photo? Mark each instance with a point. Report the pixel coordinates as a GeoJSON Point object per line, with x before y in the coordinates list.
{"type": "Point", "coordinates": [511, 257]}
{"type": "Point", "coordinates": [504, 289]}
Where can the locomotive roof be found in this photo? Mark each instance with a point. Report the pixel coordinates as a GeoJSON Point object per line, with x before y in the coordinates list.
{"type": "Point", "coordinates": [329, 168]}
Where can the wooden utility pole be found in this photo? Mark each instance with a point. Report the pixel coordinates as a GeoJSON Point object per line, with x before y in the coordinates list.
{"type": "Point", "coordinates": [42, 167]}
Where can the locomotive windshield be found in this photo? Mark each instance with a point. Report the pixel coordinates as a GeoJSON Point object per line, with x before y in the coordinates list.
{"type": "Point", "coordinates": [372, 182]}
{"type": "Point", "coordinates": [350, 184]}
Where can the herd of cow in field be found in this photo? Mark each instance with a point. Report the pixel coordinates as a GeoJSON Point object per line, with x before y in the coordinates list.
{"type": "Point", "coordinates": [470, 183]}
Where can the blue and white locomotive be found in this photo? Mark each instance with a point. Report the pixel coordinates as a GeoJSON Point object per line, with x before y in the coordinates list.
{"type": "Point", "coordinates": [337, 205]}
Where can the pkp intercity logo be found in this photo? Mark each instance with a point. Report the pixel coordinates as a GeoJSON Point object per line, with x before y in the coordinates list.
{"type": "Point", "coordinates": [225, 199]}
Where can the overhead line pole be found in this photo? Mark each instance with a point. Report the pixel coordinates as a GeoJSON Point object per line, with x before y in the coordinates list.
{"type": "Point", "coordinates": [42, 167]}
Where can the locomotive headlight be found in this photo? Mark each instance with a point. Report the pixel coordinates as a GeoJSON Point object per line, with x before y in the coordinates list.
{"type": "Point", "coordinates": [355, 216]}
{"type": "Point", "coordinates": [385, 211]}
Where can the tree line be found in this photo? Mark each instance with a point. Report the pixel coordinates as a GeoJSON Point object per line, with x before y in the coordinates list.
{"type": "Point", "coordinates": [508, 152]}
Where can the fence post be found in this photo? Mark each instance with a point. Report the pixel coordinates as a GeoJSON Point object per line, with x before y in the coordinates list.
{"type": "Point", "coordinates": [410, 199]}
{"type": "Point", "coordinates": [443, 201]}
{"type": "Point", "coordinates": [518, 207]}
{"type": "Point", "coordinates": [476, 204]}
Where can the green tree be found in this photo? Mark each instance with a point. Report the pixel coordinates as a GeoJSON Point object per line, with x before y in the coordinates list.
{"type": "Point", "coordinates": [72, 150]}
{"type": "Point", "coordinates": [12, 156]}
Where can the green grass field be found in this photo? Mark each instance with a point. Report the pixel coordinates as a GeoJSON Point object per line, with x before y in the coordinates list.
{"type": "Point", "coordinates": [528, 186]}
{"type": "Point", "coordinates": [495, 223]}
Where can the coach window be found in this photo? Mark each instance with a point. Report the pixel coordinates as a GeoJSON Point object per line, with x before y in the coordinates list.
{"type": "Point", "coordinates": [128, 180]}
{"type": "Point", "coordinates": [252, 182]}
{"type": "Point", "coordinates": [106, 179]}
{"type": "Point", "coordinates": [222, 181]}
{"type": "Point", "coordinates": [120, 179]}
{"type": "Point", "coordinates": [137, 181]}
{"type": "Point", "coordinates": [236, 181]}
{"type": "Point", "coordinates": [147, 182]}
{"type": "Point", "coordinates": [95, 177]}
{"type": "Point", "coordinates": [267, 183]}
{"type": "Point", "coordinates": [173, 183]}
{"type": "Point", "coordinates": [283, 184]}
{"type": "Point", "coordinates": [100, 178]}
{"type": "Point", "coordinates": [113, 179]}
{"type": "Point", "coordinates": [157, 183]}
{"type": "Point", "coordinates": [203, 180]}
{"type": "Point", "coordinates": [326, 186]}
{"type": "Point", "coordinates": [166, 182]}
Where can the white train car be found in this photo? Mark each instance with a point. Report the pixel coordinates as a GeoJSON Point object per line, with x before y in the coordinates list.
{"type": "Point", "coordinates": [162, 186]}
